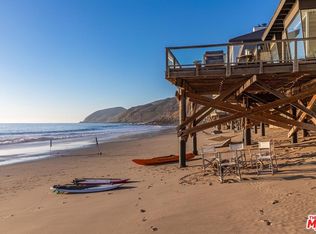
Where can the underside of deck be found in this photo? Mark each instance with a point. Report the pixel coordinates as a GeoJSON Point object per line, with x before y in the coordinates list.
{"type": "Point", "coordinates": [213, 80]}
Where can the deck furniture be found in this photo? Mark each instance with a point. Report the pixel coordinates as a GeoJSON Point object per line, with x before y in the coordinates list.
{"type": "Point", "coordinates": [214, 58]}
{"type": "Point", "coordinates": [246, 58]}
{"type": "Point", "coordinates": [228, 164]}
{"type": "Point", "coordinates": [208, 154]}
{"type": "Point", "coordinates": [266, 160]}
{"type": "Point", "coordinates": [239, 149]}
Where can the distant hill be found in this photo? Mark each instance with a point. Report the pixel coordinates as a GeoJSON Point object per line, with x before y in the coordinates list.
{"type": "Point", "coordinates": [159, 112]}
{"type": "Point", "coordinates": [103, 116]}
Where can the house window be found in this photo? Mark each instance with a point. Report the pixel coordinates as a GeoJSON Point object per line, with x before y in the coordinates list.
{"type": "Point", "coordinates": [309, 30]}
{"type": "Point", "coordinates": [295, 31]}
{"type": "Point", "coordinates": [274, 52]}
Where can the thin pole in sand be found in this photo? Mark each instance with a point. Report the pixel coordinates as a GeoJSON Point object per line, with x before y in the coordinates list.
{"type": "Point", "coordinates": [50, 146]}
{"type": "Point", "coordinates": [97, 143]}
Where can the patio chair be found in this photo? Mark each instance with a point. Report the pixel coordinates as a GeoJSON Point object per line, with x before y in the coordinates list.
{"type": "Point", "coordinates": [239, 149]}
{"type": "Point", "coordinates": [266, 158]}
{"type": "Point", "coordinates": [208, 154]}
{"type": "Point", "coordinates": [228, 165]}
{"type": "Point", "coordinates": [213, 58]}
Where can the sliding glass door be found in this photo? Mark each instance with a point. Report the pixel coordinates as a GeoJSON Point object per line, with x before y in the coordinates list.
{"type": "Point", "coordinates": [295, 31]}
{"type": "Point", "coordinates": [309, 30]}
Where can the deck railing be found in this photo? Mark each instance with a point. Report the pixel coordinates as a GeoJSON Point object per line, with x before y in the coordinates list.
{"type": "Point", "coordinates": [230, 55]}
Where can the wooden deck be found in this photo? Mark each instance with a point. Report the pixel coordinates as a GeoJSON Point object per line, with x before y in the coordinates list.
{"type": "Point", "coordinates": [210, 79]}
{"type": "Point", "coordinates": [264, 88]}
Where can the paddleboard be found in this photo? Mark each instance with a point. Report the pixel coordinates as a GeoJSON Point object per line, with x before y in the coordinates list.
{"type": "Point", "coordinates": [99, 181]}
{"type": "Point", "coordinates": [72, 188]}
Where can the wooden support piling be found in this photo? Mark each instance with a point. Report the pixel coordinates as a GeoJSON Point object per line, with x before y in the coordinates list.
{"type": "Point", "coordinates": [182, 139]}
{"type": "Point", "coordinates": [247, 129]}
{"type": "Point", "coordinates": [305, 132]}
{"type": "Point", "coordinates": [263, 130]}
{"type": "Point", "coordinates": [294, 138]}
{"type": "Point", "coordinates": [194, 141]}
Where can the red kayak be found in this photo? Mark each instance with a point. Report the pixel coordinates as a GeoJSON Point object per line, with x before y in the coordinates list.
{"type": "Point", "coordinates": [98, 181]}
{"type": "Point", "coordinates": [161, 160]}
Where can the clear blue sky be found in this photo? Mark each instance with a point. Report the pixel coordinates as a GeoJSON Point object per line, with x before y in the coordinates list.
{"type": "Point", "coordinates": [63, 59]}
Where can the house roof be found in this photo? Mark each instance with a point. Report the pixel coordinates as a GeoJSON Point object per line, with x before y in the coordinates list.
{"type": "Point", "coordinates": [276, 25]}
{"type": "Point", "coordinates": [249, 37]}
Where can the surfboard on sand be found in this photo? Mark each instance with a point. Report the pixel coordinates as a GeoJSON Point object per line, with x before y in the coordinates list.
{"type": "Point", "coordinates": [99, 181]}
{"type": "Point", "coordinates": [72, 188]}
{"type": "Point", "coordinates": [161, 160]}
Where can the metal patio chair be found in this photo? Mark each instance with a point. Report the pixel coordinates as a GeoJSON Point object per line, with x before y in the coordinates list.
{"type": "Point", "coordinates": [239, 149]}
{"type": "Point", "coordinates": [266, 160]}
{"type": "Point", "coordinates": [208, 154]}
{"type": "Point", "coordinates": [228, 164]}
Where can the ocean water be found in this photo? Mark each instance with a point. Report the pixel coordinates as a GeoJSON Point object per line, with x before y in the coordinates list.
{"type": "Point", "coordinates": [26, 142]}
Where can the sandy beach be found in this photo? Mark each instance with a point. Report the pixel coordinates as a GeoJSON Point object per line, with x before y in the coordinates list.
{"type": "Point", "coordinates": [161, 199]}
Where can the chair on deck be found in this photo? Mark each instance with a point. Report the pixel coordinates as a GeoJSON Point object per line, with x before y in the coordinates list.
{"type": "Point", "coordinates": [213, 58]}
{"type": "Point", "coordinates": [229, 164]}
{"type": "Point", "coordinates": [266, 157]}
{"type": "Point", "coordinates": [208, 154]}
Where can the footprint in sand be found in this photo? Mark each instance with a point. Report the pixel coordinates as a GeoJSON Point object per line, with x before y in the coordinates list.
{"type": "Point", "coordinates": [267, 222]}
{"type": "Point", "coordinates": [154, 229]}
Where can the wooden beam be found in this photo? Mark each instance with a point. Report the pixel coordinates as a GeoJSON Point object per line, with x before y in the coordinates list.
{"type": "Point", "coordinates": [260, 100]}
{"type": "Point", "coordinates": [303, 116]}
{"type": "Point", "coordinates": [246, 85]}
{"type": "Point", "coordinates": [271, 105]}
{"type": "Point", "coordinates": [208, 109]}
{"type": "Point", "coordinates": [280, 95]}
{"type": "Point", "coordinates": [236, 108]}
{"type": "Point", "coordinates": [261, 116]}
{"type": "Point", "coordinates": [246, 113]}
{"type": "Point", "coordinates": [226, 119]}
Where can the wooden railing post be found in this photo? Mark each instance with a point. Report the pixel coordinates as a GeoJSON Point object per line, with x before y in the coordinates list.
{"type": "Point", "coordinates": [283, 52]}
{"type": "Point", "coordinates": [295, 61]}
{"type": "Point", "coordinates": [228, 65]}
{"type": "Point", "coordinates": [167, 63]}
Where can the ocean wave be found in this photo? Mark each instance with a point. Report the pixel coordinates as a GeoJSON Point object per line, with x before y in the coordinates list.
{"type": "Point", "coordinates": [18, 135]}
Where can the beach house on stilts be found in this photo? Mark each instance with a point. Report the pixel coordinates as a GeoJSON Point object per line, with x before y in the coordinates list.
{"type": "Point", "coordinates": [266, 77]}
